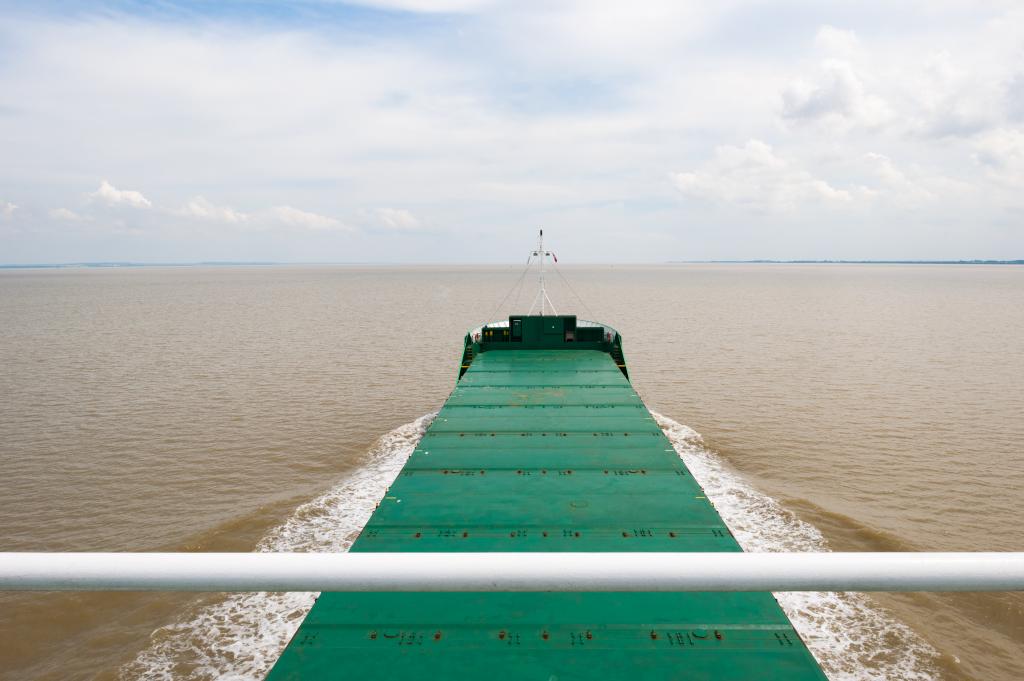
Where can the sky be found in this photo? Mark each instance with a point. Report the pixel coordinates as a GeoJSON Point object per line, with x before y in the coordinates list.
{"type": "Point", "coordinates": [450, 131]}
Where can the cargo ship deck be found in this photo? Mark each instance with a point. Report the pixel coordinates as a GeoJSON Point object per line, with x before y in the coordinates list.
{"type": "Point", "coordinates": [545, 446]}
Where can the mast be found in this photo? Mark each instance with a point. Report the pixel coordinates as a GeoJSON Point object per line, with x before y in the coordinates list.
{"type": "Point", "coordinates": [542, 295]}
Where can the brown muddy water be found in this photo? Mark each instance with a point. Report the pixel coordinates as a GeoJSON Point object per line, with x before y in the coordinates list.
{"type": "Point", "coordinates": [841, 407]}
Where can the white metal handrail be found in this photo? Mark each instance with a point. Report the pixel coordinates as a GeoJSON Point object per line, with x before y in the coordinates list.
{"type": "Point", "coordinates": [512, 571]}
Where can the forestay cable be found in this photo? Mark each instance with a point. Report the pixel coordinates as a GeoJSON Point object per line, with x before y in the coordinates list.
{"type": "Point", "coordinates": [586, 307]}
{"type": "Point", "coordinates": [518, 282]}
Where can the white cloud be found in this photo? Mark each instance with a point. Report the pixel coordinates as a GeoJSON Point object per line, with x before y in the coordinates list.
{"type": "Point", "coordinates": [837, 95]}
{"type": "Point", "coordinates": [198, 207]}
{"type": "Point", "coordinates": [113, 196]}
{"type": "Point", "coordinates": [836, 42]}
{"type": "Point", "coordinates": [426, 6]}
{"type": "Point", "coordinates": [587, 36]}
{"type": "Point", "coordinates": [953, 101]}
{"type": "Point", "coordinates": [397, 219]}
{"type": "Point", "coordinates": [7, 209]}
{"type": "Point", "coordinates": [65, 214]}
{"type": "Point", "coordinates": [505, 113]}
{"type": "Point", "coordinates": [1015, 98]}
{"type": "Point", "coordinates": [906, 86]}
{"type": "Point", "coordinates": [1001, 153]}
{"type": "Point", "coordinates": [300, 219]}
{"type": "Point", "coordinates": [892, 183]}
{"type": "Point", "coordinates": [755, 176]}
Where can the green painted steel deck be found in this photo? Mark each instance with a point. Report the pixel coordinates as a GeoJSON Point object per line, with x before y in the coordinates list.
{"type": "Point", "coordinates": [545, 446]}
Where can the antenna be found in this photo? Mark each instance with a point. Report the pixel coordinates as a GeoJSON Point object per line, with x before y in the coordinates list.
{"type": "Point", "coordinates": [542, 295]}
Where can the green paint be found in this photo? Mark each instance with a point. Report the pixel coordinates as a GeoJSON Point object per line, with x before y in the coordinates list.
{"type": "Point", "coordinates": [545, 446]}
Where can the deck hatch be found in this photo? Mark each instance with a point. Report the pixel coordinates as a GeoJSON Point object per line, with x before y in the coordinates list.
{"type": "Point", "coordinates": [541, 449]}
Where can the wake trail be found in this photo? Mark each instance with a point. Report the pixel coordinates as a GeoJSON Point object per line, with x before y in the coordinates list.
{"type": "Point", "coordinates": [240, 637]}
{"type": "Point", "coordinates": [851, 637]}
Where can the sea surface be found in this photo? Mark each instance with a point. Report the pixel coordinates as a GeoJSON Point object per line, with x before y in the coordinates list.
{"type": "Point", "coordinates": [822, 407]}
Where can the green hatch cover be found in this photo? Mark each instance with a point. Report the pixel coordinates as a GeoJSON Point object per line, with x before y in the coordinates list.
{"type": "Point", "coordinates": [545, 450]}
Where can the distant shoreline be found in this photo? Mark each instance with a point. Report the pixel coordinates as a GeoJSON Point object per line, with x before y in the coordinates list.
{"type": "Point", "coordinates": [68, 265]}
{"type": "Point", "coordinates": [847, 262]}
{"type": "Point", "coordinates": [225, 263]}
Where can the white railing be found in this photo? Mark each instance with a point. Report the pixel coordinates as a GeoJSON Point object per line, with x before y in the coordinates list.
{"type": "Point", "coordinates": [512, 571]}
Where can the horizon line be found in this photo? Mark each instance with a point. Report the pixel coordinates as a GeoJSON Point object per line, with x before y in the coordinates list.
{"type": "Point", "coordinates": [113, 264]}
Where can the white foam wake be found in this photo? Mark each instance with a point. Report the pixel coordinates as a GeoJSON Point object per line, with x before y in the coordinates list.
{"type": "Point", "coordinates": [240, 638]}
{"type": "Point", "coordinates": [851, 637]}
